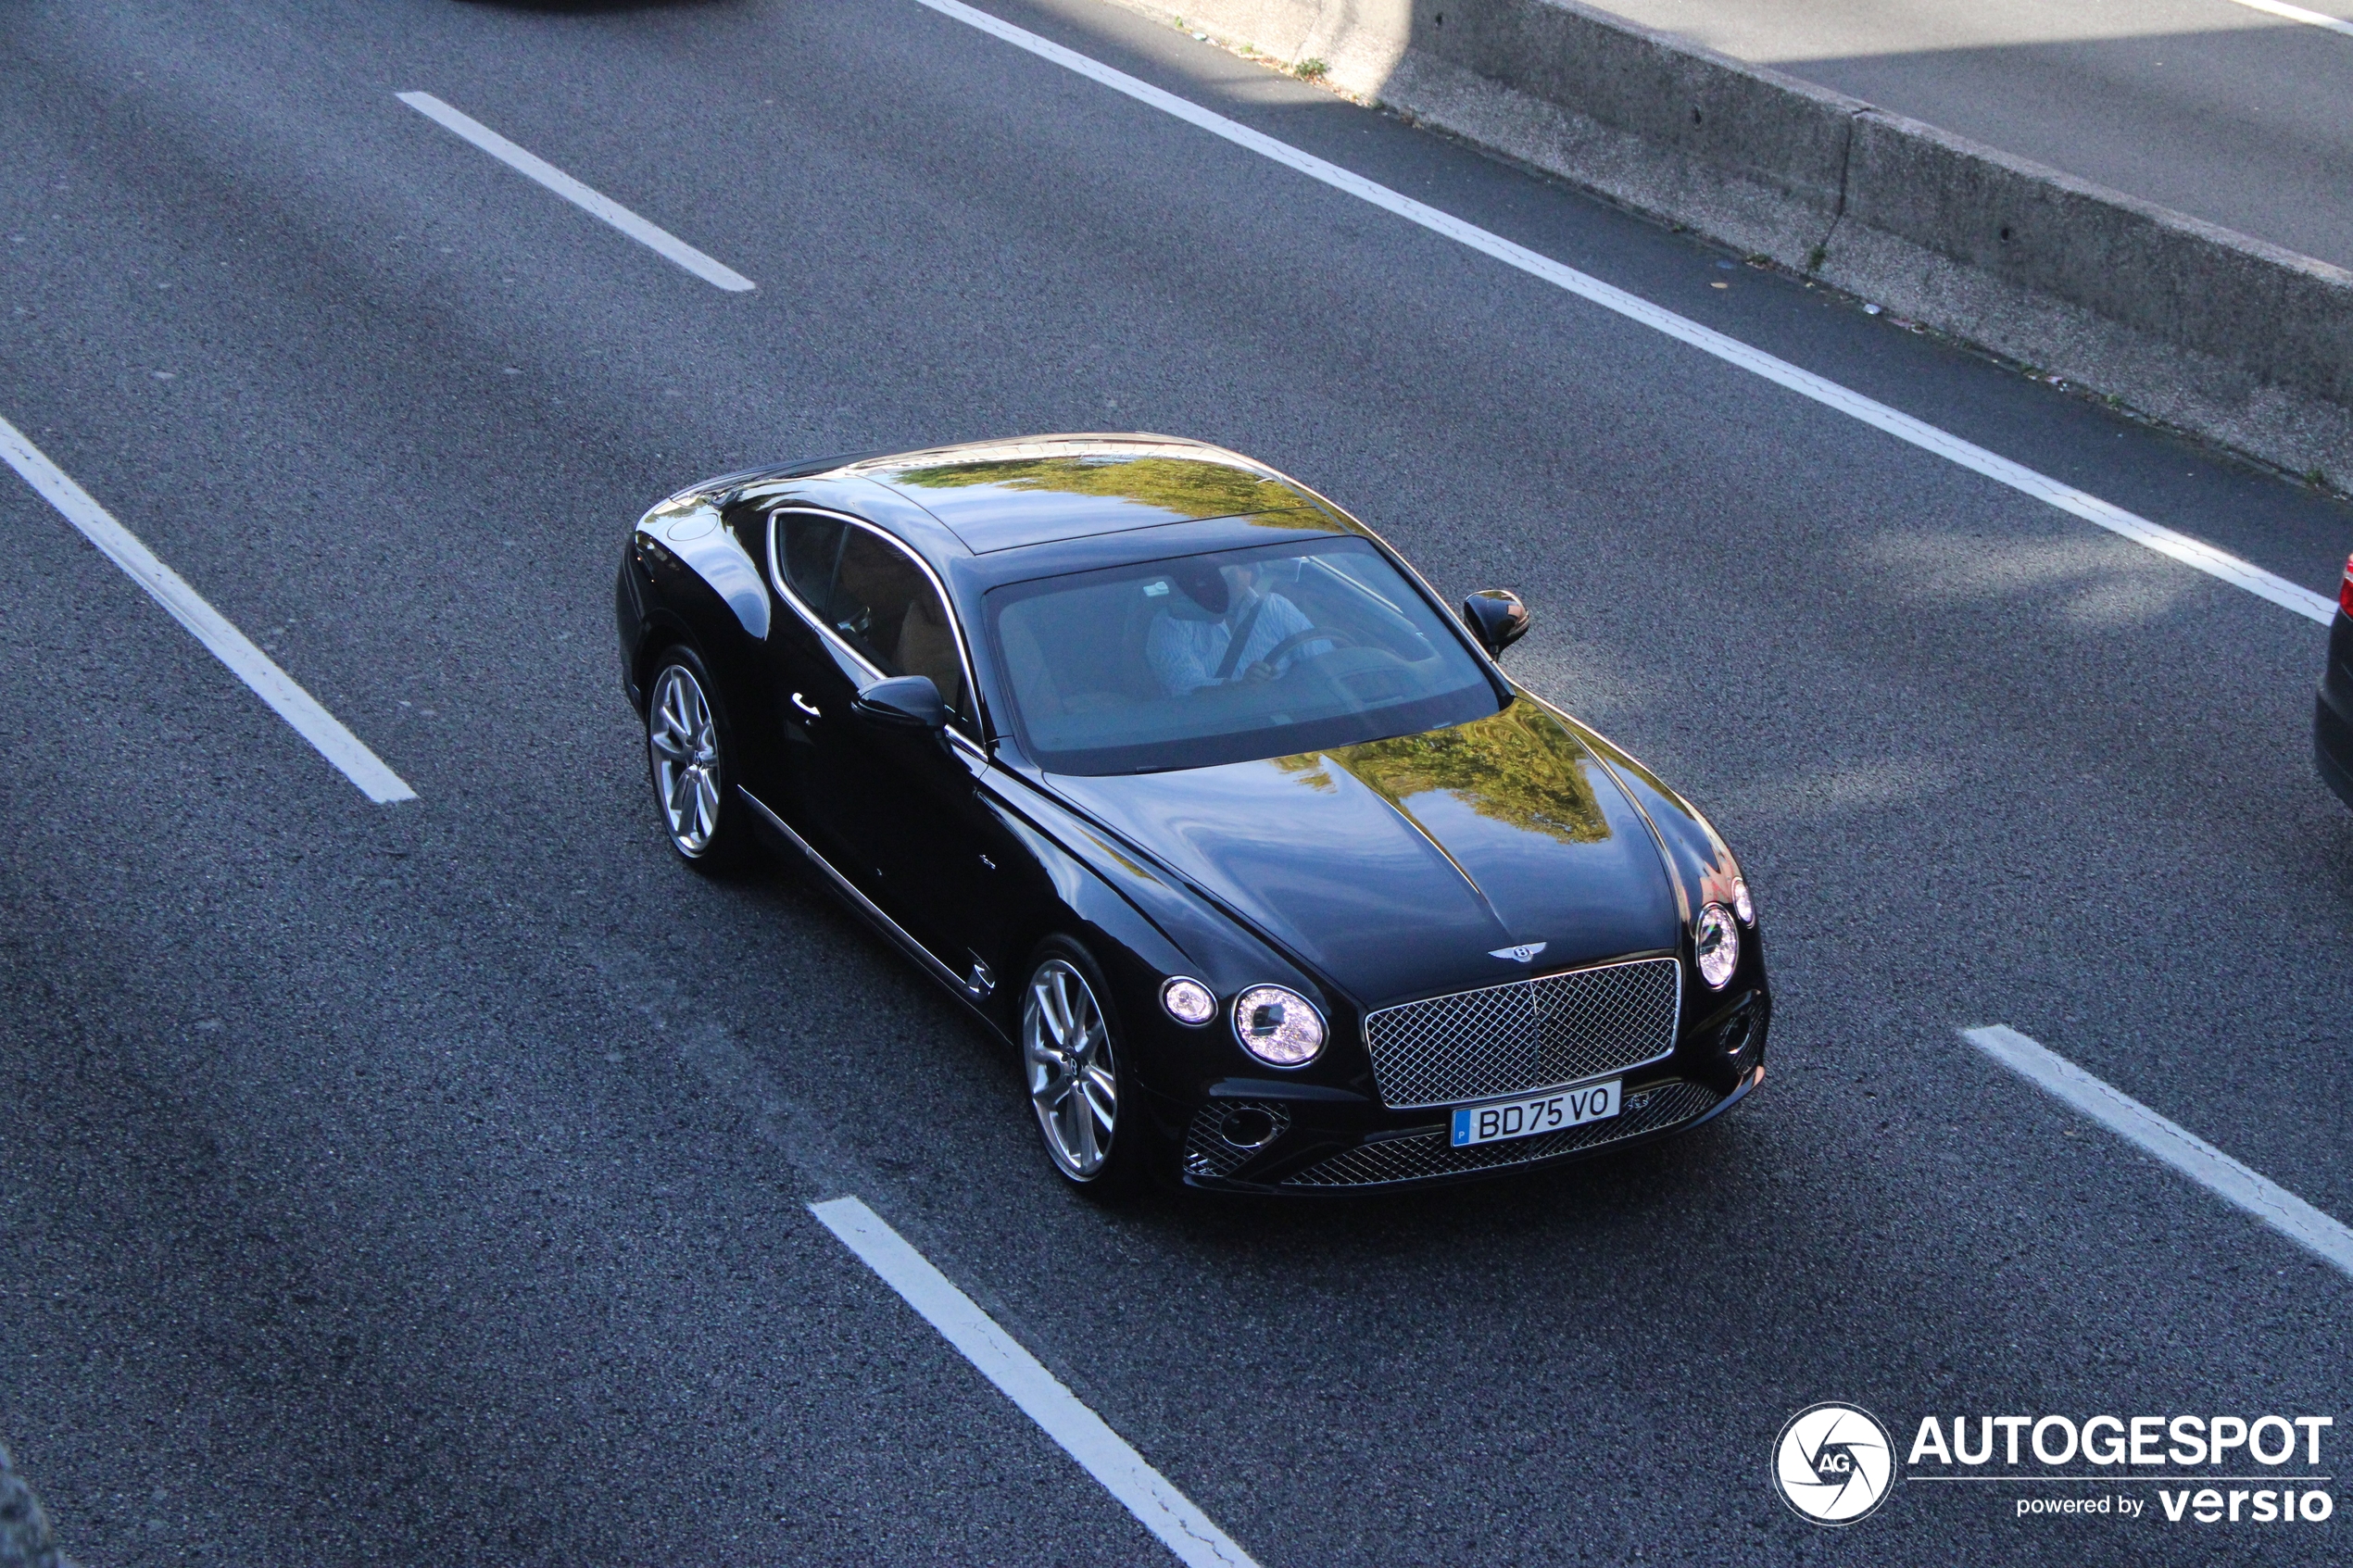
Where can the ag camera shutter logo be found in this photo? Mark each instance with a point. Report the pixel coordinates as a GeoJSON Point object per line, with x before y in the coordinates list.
{"type": "Point", "coordinates": [1833, 1463]}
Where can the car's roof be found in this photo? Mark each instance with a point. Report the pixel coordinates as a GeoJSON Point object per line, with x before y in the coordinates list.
{"type": "Point", "coordinates": [1005, 494]}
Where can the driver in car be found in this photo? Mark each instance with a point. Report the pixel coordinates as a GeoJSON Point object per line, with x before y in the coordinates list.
{"type": "Point", "coordinates": [1217, 628]}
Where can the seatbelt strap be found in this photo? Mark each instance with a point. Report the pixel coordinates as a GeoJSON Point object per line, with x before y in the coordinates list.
{"type": "Point", "coordinates": [1241, 639]}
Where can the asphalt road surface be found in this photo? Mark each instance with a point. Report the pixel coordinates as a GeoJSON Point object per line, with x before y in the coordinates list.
{"type": "Point", "coordinates": [2224, 109]}
{"type": "Point", "coordinates": [427, 1182]}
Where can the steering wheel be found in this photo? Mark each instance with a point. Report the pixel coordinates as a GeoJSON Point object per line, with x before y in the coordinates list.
{"type": "Point", "coordinates": [1299, 640]}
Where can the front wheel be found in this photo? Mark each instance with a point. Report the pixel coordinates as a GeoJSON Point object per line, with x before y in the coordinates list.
{"type": "Point", "coordinates": [690, 757]}
{"type": "Point", "coordinates": [1071, 1057]}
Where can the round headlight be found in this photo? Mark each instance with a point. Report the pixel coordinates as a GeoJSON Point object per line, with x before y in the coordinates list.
{"type": "Point", "coordinates": [1279, 1027]}
{"type": "Point", "coordinates": [1189, 1002]}
{"type": "Point", "coordinates": [1716, 943]}
{"type": "Point", "coordinates": [1741, 906]}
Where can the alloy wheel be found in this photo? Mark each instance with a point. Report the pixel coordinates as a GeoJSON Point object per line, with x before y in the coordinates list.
{"type": "Point", "coordinates": [684, 742]}
{"type": "Point", "coordinates": [1073, 1084]}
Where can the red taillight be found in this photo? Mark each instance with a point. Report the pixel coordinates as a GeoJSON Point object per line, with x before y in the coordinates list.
{"type": "Point", "coordinates": [2344, 590]}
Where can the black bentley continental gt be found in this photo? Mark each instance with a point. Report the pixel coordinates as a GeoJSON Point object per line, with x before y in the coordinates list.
{"type": "Point", "coordinates": [1189, 787]}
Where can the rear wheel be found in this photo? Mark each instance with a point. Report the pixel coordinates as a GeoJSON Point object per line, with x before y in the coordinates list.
{"type": "Point", "coordinates": [690, 757]}
{"type": "Point", "coordinates": [1094, 1131]}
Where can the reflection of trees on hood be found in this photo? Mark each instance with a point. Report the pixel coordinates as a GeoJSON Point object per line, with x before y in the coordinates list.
{"type": "Point", "coordinates": [1181, 485]}
{"type": "Point", "coordinates": [1518, 767]}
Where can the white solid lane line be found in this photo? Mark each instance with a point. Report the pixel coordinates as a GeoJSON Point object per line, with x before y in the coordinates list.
{"type": "Point", "coordinates": [2177, 1146]}
{"type": "Point", "coordinates": [1162, 1509]}
{"type": "Point", "coordinates": [248, 663]}
{"type": "Point", "coordinates": [1904, 427]}
{"type": "Point", "coordinates": [2298, 14]}
{"type": "Point", "coordinates": [535, 167]}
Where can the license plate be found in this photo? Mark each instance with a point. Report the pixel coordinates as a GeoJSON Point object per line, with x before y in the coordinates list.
{"type": "Point", "coordinates": [1538, 1113]}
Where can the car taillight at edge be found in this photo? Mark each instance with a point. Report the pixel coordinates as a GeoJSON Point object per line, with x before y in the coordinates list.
{"type": "Point", "coordinates": [2344, 590]}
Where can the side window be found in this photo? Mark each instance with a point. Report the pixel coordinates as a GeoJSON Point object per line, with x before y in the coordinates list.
{"type": "Point", "coordinates": [887, 609]}
{"type": "Point", "coordinates": [807, 548]}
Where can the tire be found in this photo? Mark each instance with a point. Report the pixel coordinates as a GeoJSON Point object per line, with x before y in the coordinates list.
{"type": "Point", "coordinates": [1089, 1115]}
{"type": "Point", "coordinates": [690, 759]}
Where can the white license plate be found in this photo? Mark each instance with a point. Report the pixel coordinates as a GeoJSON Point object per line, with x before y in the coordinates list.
{"type": "Point", "coordinates": [1538, 1113]}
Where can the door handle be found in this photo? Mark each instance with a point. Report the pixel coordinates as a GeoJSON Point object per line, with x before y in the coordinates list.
{"type": "Point", "coordinates": [804, 705]}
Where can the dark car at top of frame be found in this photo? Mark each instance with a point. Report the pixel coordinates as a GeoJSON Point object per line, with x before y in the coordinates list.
{"type": "Point", "coordinates": [1191, 789]}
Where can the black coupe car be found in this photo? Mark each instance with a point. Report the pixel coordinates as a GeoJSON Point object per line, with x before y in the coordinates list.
{"type": "Point", "coordinates": [1189, 787]}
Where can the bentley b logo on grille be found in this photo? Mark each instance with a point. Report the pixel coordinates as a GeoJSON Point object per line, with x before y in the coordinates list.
{"type": "Point", "coordinates": [1523, 954]}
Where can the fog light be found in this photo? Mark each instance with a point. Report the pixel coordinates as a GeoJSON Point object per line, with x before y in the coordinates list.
{"type": "Point", "coordinates": [1249, 1127]}
{"type": "Point", "coordinates": [1734, 1037]}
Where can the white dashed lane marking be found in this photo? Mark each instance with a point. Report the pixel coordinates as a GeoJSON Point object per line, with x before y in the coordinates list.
{"type": "Point", "coordinates": [2298, 14]}
{"type": "Point", "coordinates": [248, 663]}
{"type": "Point", "coordinates": [1159, 1507]}
{"type": "Point", "coordinates": [2176, 1146]}
{"type": "Point", "coordinates": [532, 167]}
{"type": "Point", "coordinates": [2194, 553]}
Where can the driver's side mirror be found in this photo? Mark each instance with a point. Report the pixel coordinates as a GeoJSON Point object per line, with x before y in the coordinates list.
{"type": "Point", "coordinates": [1496, 618]}
{"type": "Point", "coordinates": [908, 702]}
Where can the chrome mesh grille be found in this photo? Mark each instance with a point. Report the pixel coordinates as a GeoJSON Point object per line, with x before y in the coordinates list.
{"type": "Point", "coordinates": [1527, 1034]}
{"type": "Point", "coordinates": [1433, 1154]}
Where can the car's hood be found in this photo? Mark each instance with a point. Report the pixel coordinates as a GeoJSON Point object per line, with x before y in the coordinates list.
{"type": "Point", "coordinates": [1400, 867]}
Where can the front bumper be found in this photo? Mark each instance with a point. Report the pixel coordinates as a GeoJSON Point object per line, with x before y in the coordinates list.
{"type": "Point", "coordinates": [2333, 751]}
{"type": "Point", "coordinates": [1305, 1146]}
{"type": "Point", "coordinates": [2333, 748]}
{"type": "Point", "coordinates": [2332, 712]}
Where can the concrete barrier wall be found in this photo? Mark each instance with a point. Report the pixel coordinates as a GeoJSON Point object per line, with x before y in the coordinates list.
{"type": "Point", "coordinates": [2239, 341]}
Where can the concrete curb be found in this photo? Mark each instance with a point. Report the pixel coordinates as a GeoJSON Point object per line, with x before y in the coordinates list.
{"type": "Point", "coordinates": [2243, 342]}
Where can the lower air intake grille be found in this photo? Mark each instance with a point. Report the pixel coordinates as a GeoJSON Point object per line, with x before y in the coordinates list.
{"type": "Point", "coordinates": [1210, 1146]}
{"type": "Point", "coordinates": [1527, 1034]}
{"type": "Point", "coordinates": [1431, 1154]}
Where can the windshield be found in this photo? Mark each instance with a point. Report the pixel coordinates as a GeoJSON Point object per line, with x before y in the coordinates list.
{"type": "Point", "coordinates": [1227, 657]}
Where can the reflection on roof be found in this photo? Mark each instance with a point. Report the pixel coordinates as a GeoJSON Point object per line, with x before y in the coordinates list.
{"type": "Point", "coordinates": [1001, 496]}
